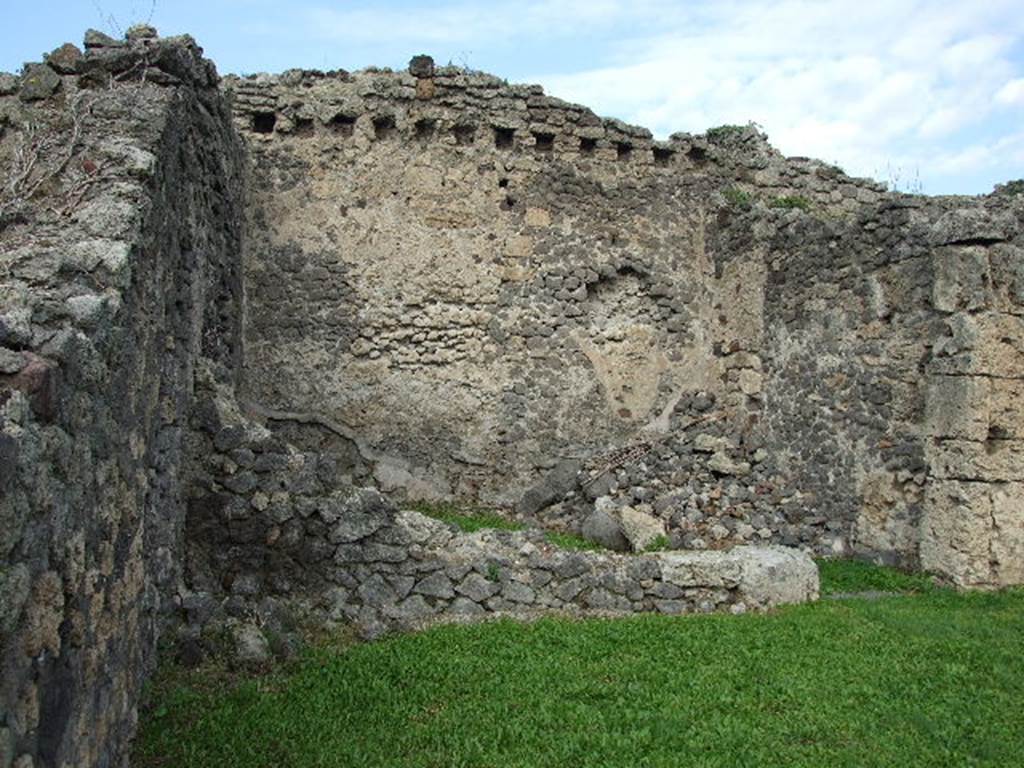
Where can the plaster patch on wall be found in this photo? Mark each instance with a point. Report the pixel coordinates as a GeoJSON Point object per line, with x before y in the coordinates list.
{"type": "Point", "coordinates": [629, 367]}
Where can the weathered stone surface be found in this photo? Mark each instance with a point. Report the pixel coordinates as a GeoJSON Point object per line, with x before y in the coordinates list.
{"type": "Point", "coordinates": [603, 600]}
{"type": "Point", "coordinates": [570, 565]}
{"type": "Point", "coordinates": [518, 593]}
{"type": "Point", "coordinates": [724, 465]}
{"type": "Point", "coordinates": [14, 592]}
{"type": "Point", "coordinates": [640, 528]}
{"type": "Point", "coordinates": [8, 84]}
{"type": "Point", "coordinates": [421, 66]}
{"type": "Point", "coordinates": [96, 384]}
{"type": "Point", "coordinates": [696, 569]}
{"type": "Point", "coordinates": [6, 748]}
{"type": "Point", "coordinates": [672, 607]}
{"type": "Point", "coordinates": [38, 82]}
{"type": "Point", "coordinates": [956, 531]}
{"type": "Point", "coordinates": [1007, 548]}
{"type": "Point", "coordinates": [962, 279]}
{"type": "Point", "coordinates": [140, 32]}
{"type": "Point", "coordinates": [973, 532]}
{"type": "Point", "coordinates": [604, 528]}
{"type": "Point", "coordinates": [420, 529]}
{"type": "Point", "coordinates": [357, 514]}
{"type": "Point", "coordinates": [436, 585]}
{"type": "Point", "coordinates": [984, 344]}
{"type": "Point", "coordinates": [65, 59]}
{"type": "Point", "coordinates": [551, 488]}
{"type": "Point", "coordinates": [957, 407]}
{"type": "Point", "coordinates": [971, 225]}
{"type": "Point", "coordinates": [773, 576]}
{"type": "Point", "coordinates": [993, 461]}
{"type": "Point", "coordinates": [251, 645]}
{"type": "Point", "coordinates": [96, 39]}
{"type": "Point", "coordinates": [1005, 415]}
{"type": "Point", "coordinates": [466, 607]}
{"type": "Point", "coordinates": [477, 588]}
{"type": "Point", "coordinates": [376, 591]}
{"type": "Point", "coordinates": [410, 610]}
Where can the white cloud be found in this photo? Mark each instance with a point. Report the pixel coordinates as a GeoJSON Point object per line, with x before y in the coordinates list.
{"type": "Point", "coordinates": [460, 22]}
{"type": "Point", "coordinates": [866, 83]}
{"type": "Point", "coordinates": [1008, 149]}
{"type": "Point", "coordinates": [1011, 94]}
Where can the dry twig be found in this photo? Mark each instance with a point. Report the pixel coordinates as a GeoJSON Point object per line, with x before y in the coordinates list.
{"type": "Point", "coordinates": [42, 154]}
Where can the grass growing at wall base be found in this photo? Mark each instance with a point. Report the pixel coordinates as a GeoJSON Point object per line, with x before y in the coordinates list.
{"type": "Point", "coordinates": [466, 520]}
{"type": "Point", "coordinates": [572, 542]}
{"type": "Point", "coordinates": [840, 576]}
{"type": "Point", "coordinates": [926, 679]}
{"type": "Point", "coordinates": [471, 520]}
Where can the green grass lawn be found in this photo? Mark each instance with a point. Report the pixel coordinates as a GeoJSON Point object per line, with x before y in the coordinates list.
{"type": "Point", "coordinates": [852, 576]}
{"type": "Point", "coordinates": [932, 678]}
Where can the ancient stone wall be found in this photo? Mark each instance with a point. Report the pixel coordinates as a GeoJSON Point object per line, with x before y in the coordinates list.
{"type": "Point", "coordinates": [477, 281]}
{"type": "Point", "coordinates": [465, 289]}
{"type": "Point", "coordinates": [848, 326]}
{"type": "Point", "coordinates": [224, 307]}
{"type": "Point", "coordinates": [120, 265]}
{"type": "Point", "coordinates": [436, 276]}
{"type": "Point", "coordinates": [973, 521]}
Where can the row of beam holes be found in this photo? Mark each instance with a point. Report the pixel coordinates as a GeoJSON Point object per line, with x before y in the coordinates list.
{"type": "Point", "coordinates": [464, 133]}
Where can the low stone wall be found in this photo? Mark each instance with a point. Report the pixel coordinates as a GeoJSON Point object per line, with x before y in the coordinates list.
{"type": "Point", "coordinates": [415, 570]}
{"type": "Point", "coordinates": [268, 520]}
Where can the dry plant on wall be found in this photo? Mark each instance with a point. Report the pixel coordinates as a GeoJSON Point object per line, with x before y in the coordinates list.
{"type": "Point", "coordinates": [42, 153]}
{"type": "Point", "coordinates": [898, 180]}
{"type": "Point", "coordinates": [112, 24]}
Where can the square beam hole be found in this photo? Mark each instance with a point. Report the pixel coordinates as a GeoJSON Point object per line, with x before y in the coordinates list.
{"type": "Point", "coordinates": [588, 146]}
{"type": "Point", "coordinates": [623, 150]}
{"type": "Point", "coordinates": [263, 122]}
{"type": "Point", "coordinates": [504, 138]}
{"type": "Point", "coordinates": [383, 126]}
{"type": "Point", "coordinates": [464, 134]}
{"type": "Point", "coordinates": [544, 142]}
{"type": "Point", "coordinates": [425, 128]}
{"type": "Point", "coordinates": [342, 124]}
{"type": "Point", "coordinates": [697, 156]}
{"type": "Point", "coordinates": [663, 156]}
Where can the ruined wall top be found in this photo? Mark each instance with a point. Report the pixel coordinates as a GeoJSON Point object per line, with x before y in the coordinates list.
{"type": "Point", "coordinates": [464, 107]}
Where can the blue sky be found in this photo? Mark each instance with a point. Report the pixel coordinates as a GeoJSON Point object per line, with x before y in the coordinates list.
{"type": "Point", "coordinates": [917, 93]}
